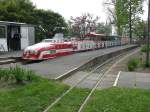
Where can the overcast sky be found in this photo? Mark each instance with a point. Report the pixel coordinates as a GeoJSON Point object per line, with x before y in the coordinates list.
{"type": "Point", "coordinates": [68, 8]}
{"type": "Point", "coordinates": [73, 8]}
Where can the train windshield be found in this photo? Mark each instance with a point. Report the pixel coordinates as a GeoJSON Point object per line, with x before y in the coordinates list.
{"type": "Point", "coordinates": [52, 40]}
{"type": "Point", "coordinates": [48, 40]}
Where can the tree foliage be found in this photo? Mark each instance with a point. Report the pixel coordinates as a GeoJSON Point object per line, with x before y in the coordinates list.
{"type": "Point", "coordinates": [140, 29]}
{"type": "Point", "coordinates": [121, 18]}
{"type": "Point", "coordinates": [16, 10]}
{"type": "Point", "coordinates": [25, 11]}
{"type": "Point", "coordinates": [103, 28]}
{"type": "Point", "coordinates": [83, 24]}
{"type": "Point", "coordinates": [50, 23]}
{"type": "Point", "coordinates": [121, 12]}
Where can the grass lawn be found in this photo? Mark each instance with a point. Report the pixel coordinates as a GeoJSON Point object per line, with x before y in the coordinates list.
{"type": "Point", "coordinates": [32, 97]}
{"type": "Point", "coordinates": [34, 94]}
{"type": "Point", "coordinates": [71, 102]}
{"type": "Point", "coordinates": [119, 100]}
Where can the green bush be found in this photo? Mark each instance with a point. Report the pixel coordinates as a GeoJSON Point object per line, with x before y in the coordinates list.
{"type": "Point", "coordinates": [143, 63]}
{"type": "Point", "coordinates": [145, 48]}
{"type": "Point", "coordinates": [4, 74]}
{"type": "Point", "coordinates": [132, 64]}
{"type": "Point", "coordinates": [17, 74]}
{"type": "Point", "coordinates": [30, 76]}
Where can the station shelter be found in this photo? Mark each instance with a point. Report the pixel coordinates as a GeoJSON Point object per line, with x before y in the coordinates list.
{"type": "Point", "coordinates": [16, 36]}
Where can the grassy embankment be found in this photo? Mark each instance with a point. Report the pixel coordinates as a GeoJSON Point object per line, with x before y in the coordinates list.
{"type": "Point", "coordinates": [22, 91]}
{"type": "Point", "coordinates": [29, 93]}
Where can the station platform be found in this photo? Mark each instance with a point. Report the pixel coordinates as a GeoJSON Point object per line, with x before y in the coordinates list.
{"type": "Point", "coordinates": [53, 68]}
{"type": "Point", "coordinates": [11, 54]}
{"type": "Point", "coordinates": [10, 57]}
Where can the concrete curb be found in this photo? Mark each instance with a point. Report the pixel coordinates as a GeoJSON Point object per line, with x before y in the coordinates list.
{"type": "Point", "coordinates": [94, 61]}
{"type": "Point", "coordinates": [8, 60]}
{"type": "Point", "coordinates": [4, 58]}
{"type": "Point", "coordinates": [2, 62]}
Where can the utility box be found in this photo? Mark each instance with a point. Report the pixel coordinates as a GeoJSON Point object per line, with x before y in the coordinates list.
{"type": "Point", "coordinates": [16, 36]}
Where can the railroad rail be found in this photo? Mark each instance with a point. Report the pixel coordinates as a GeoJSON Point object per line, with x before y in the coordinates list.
{"type": "Point", "coordinates": [102, 69]}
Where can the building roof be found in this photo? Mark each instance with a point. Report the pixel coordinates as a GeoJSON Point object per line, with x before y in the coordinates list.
{"type": "Point", "coordinates": [14, 23]}
{"type": "Point", "coordinates": [93, 34]}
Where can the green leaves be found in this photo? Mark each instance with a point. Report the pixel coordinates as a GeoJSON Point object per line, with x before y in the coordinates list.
{"type": "Point", "coordinates": [132, 64]}
{"type": "Point", "coordinates": [145, 48]}
{"type": "Point", "coordinates": [12, 10]}
{"type": "Point", "coordinates": [139, 29]}
{"type": "Point", "coordinates": [122, 13]}
{"type": "Point", "coordinates": [17, 74]}
{"type": "Point", "coordinates": [24, 11]}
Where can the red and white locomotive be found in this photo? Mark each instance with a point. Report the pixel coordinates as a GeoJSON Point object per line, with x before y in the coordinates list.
{"type": "Point", "coordinates": [48, 48]}
{"type": "Point", "coordinates": [51, 48]}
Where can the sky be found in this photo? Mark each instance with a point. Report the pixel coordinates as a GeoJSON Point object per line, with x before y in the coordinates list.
{"type": "Point", "coordinates": [68, 8]}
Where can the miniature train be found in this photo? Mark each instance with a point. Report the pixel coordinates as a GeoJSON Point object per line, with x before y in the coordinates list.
{"type": "Point", "coordinates": [51, 48]}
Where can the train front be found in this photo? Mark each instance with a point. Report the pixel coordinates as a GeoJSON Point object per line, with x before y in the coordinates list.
{"type": "Point", "coordinates": [34, 52]}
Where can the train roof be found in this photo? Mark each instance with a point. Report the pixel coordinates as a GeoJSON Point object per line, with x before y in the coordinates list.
{"type": "Point", "coordinates": [93, 34]}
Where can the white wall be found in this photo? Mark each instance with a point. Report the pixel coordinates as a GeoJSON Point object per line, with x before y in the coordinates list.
{"type": "Point", "coordinates": [31, 35]}
{"type": "Point", "coordinates": [3, 44]}
{"type": "Point", "coordinates": [28, 36]}
{"type": "Point", "coordinates": [24, 37]}
{"type": "Point", "coordinates": [114, 30]}
{"type": "Point", "coordinates": [24, 43]}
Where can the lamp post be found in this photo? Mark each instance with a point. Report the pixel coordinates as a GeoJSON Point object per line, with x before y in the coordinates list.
{"type": "Point", "coordinates": [147, 42]}
{"type": "Point", "coordinates": [130, 21]}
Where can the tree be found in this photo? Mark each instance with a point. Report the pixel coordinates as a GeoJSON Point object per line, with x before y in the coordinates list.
{"type": "Point", "coordinates": [25, 11]}
{"type": "Point", "coordinates": [83, 24]}
{"type": "Point", "coordinates": [139, 29]}
{"type": "Point", "coordinates": [16, 10]}
{"type": "Point", "coordinates": [103, 28]}
{"type": "Point", "coordinates": [120, 14]}
{"type": "Point", "coordinates": [50, 22]}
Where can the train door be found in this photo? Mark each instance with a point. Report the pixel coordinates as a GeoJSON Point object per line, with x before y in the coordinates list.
{"type": "Point", "coordinates": [13, 38]}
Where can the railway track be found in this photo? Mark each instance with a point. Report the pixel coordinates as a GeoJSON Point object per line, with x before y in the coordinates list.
{"type": "Point", "coordinates": [102, 70]}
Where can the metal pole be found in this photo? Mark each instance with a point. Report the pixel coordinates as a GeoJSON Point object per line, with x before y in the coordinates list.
{"type": "Point", "coordinates": [130, 21]}
{"type": "Point", "coordinates": [147, 53]}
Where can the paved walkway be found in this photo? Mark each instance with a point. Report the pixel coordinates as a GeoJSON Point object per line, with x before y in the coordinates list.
{"type": "Point", "coordinates": [53, 68]}
{"type": "Point", "coordinates": [134, 79]}
{"type": "Point", "coordinates": [119, 65]}
{"type": "Point", "coordinates": [10, 54]}
{"type": "Point", "coordinates": [110, 76]}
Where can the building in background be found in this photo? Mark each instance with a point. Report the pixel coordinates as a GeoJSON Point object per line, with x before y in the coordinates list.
{"type": "Point", "coordinates": [113, 30]}
{"type": "Point", "coordinates": [16, 36]}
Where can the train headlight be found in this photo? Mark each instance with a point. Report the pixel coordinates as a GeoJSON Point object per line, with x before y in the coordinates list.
{"type": "Point", "coordinates": [35, 52]}
{"type": "Point", "coordinates": [25, 51]}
